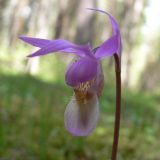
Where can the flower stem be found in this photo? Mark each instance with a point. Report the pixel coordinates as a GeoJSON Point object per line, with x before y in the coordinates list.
{"type": "Point", "coordinates": [118, 107]}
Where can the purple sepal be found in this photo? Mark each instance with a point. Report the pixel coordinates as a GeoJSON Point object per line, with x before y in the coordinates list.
{"type": "Point", "coordinates": [108, 48]}
{"type": "Point", "coordinates": [37, 42]}
{"type": "Point", "coordinates": [58, 45]}
{"type": "Point", "coordinates": [112, 45]}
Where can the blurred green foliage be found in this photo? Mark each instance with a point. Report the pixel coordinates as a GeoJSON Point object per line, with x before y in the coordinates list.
{"type": "Point", "coordinates": [32, 127]}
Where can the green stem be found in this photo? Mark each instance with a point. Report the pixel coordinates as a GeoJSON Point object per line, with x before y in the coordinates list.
{"type": "Point", "coordinates": [118, 107]}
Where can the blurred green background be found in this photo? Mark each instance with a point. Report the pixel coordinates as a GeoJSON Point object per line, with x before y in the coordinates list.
{"type": "Point", "coordinates": [33, 93]}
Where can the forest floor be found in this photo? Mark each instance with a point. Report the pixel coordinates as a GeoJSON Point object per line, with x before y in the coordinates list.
{"type": "Point", "coordinates": [32, 123]}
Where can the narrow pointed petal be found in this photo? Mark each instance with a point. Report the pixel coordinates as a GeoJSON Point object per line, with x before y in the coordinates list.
{"type": "Point", "coordinates": [81, 119]}
{"type": "Point", "coordinates": [37, 42]}
{"type": "Point", "coordinates": [59, 45]}
{"type": "Point", "coordinates": [112, 45]}
{"type": "Point", "coordinates": [108, 48]}
{"type": "Point", "coordinates": [81, 71]}
{"type": "Point", "coordinates": [114, 24]}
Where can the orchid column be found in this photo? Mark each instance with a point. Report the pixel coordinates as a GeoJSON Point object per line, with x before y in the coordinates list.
{"type": "Point", "coordinates": [85, 76]}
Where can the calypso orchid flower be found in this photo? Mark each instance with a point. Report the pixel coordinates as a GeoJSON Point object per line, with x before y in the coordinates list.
{"type": "Point", "coordinates": [84, 75]}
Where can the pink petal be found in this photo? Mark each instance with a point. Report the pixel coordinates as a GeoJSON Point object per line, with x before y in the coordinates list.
{"type": "Point", "coordinates": [81, 119]}
{"type": "Point", "coordinates": [81, 71]}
